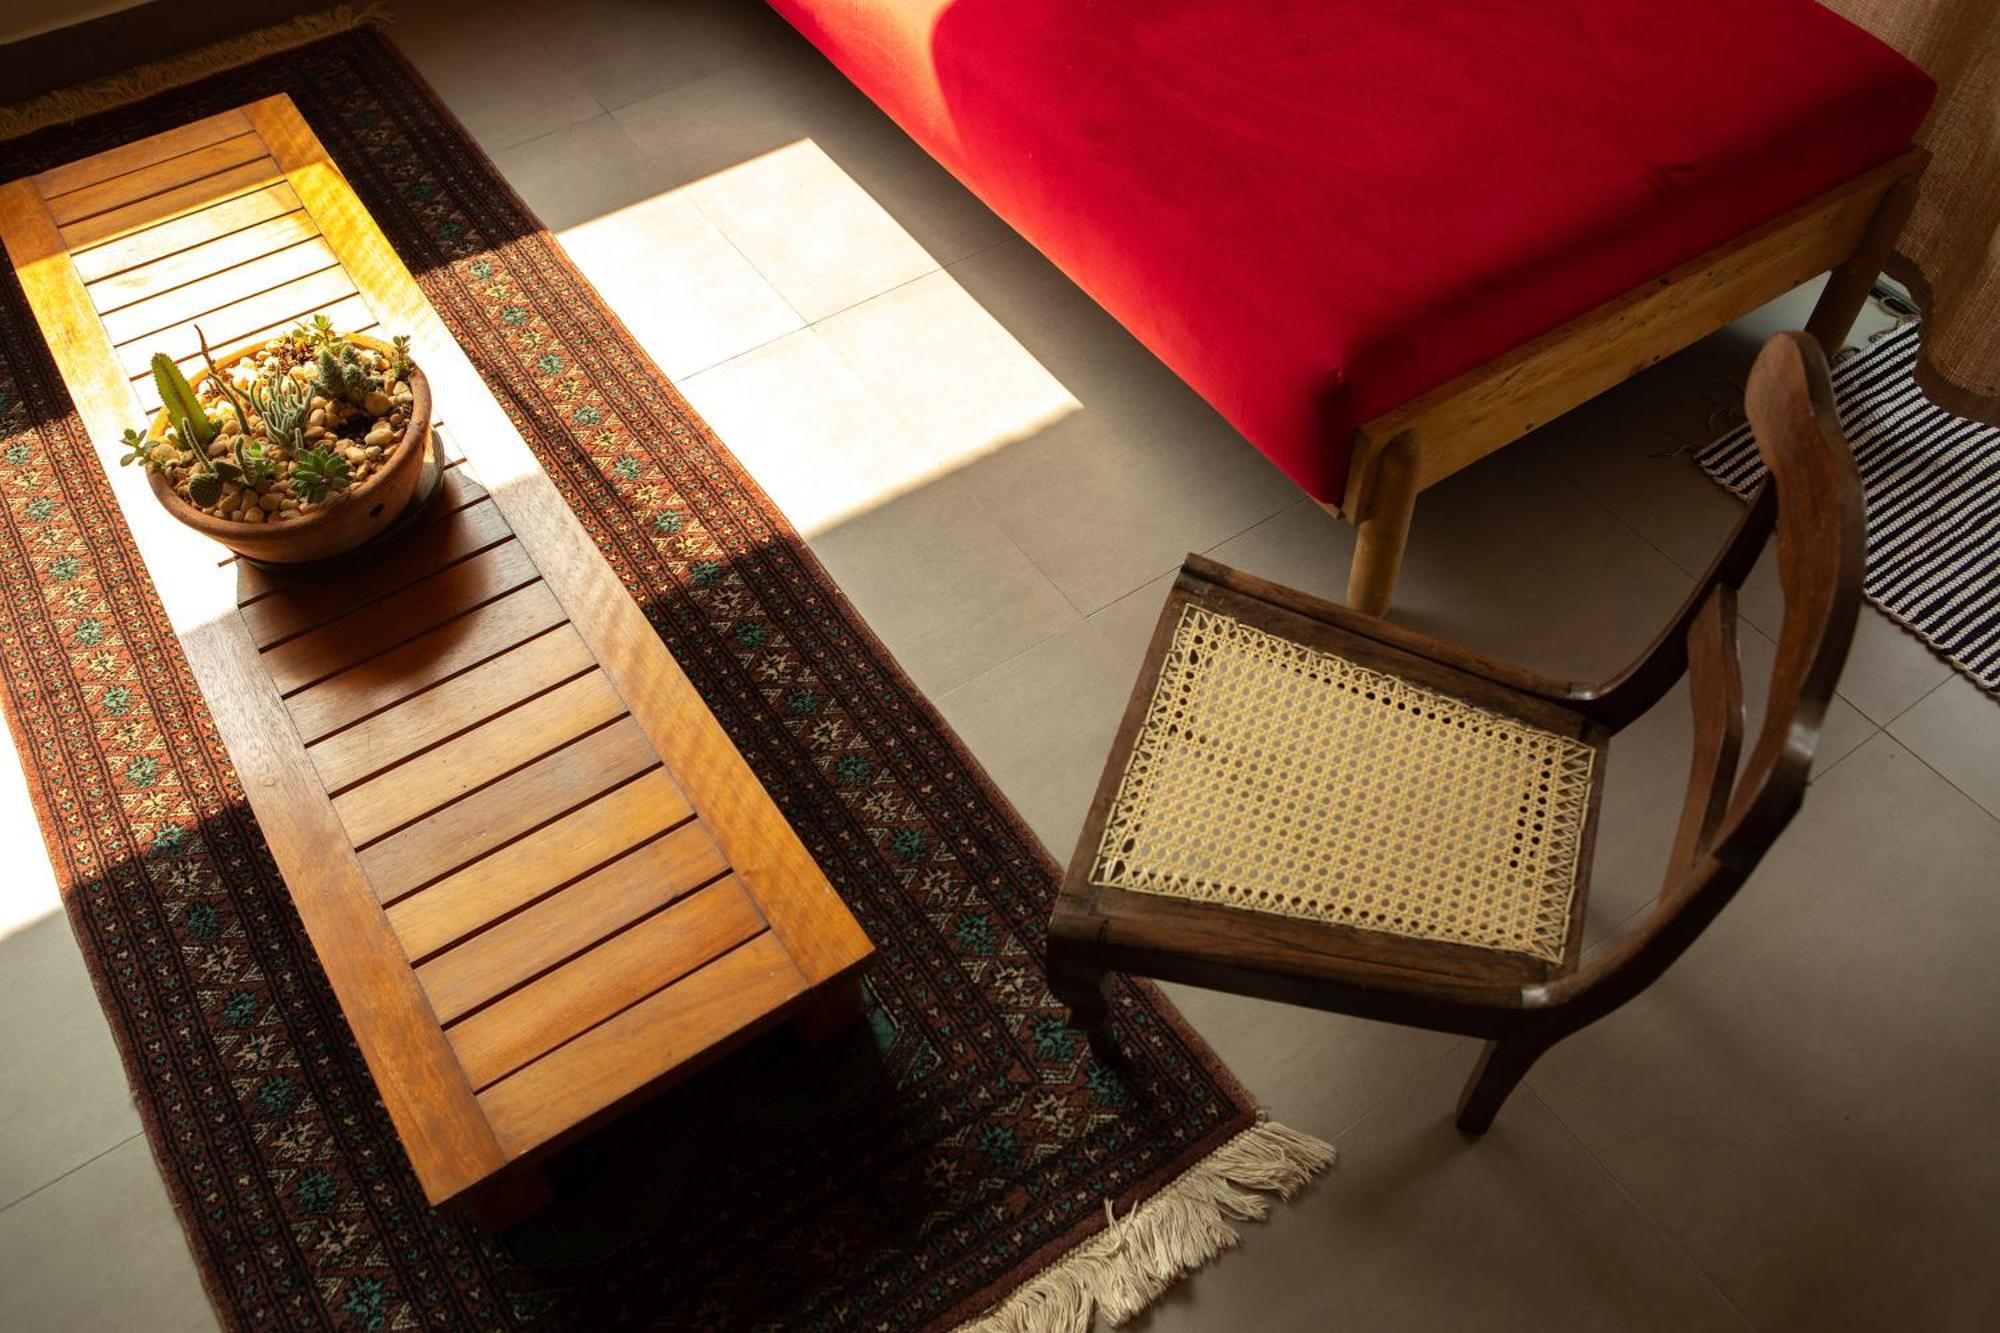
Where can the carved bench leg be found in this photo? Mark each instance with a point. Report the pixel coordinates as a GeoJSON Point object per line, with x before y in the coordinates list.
{"type": "Point", "coordinates": [1847, 290]}
{"type": "Point", "coordinates": [1501, 1067]}
{"type": "Point", "coordinates": [1385, 528]}
{"type": "Point", "coordinates": [508, 1198]}
{"type": "Point", "coordinates": [836, 1007]}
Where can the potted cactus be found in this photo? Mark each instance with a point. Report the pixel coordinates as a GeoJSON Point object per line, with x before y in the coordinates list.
{"type": "Point", "coordinates": [291, 451]}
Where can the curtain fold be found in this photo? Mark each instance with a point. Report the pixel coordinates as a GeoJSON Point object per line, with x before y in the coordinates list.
{"type": "Point", "coordinates": [1950, 252]}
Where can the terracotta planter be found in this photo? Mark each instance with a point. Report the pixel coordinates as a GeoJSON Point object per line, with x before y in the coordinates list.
{"type": "Point", "coordinates": [346, 520]}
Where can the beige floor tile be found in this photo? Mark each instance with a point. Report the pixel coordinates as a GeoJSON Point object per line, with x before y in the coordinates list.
{"type": "Point", "coordinates": [955, 375]}
{"type": "Point", "coordinates": [100, 1249]}
{"type": "Point", "coordinates": [1505, 558]}
{"type": "Point", "coordinates": [683, 290]}
{"type": "Point", "coordinates": [1104, 474]}
{"type": "Point", "coordinates": [497, 78]}
{"type": "Point", "coordinates": [1804, 1101]}
{"type": "Point", "coordinates": [821, 442]}
{"type": "Point", "coordinates": [580, 173]}
{"type": "Point", "coordinates": [1956, 730]}
{"type": "Point", "coordinates": [626, 50]}
{"type": "Point", "coordinates": [810, 229]}
{"type": "Point", "coordinates": [1038, 303]}
{"type": "Point", "coordinates": [1041, 724]}
{"type": "Point", "coordinates": [64, 1098]}
{"type": "Point", "coordinates": [794, 96]}
{"type": "Point", "coordinates": [1418, 1229]}
{"type": "Point", "coordinates": [942, 585]}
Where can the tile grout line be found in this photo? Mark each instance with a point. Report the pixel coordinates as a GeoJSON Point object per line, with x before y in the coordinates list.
{"type": "Point", "coordinates": [50, 1184]}
{"type": "Point", "coordinates": [1672, 1241]}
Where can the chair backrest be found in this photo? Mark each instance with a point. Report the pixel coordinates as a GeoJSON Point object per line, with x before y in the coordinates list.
{"type": "Point", "coordinates": [1732, 815]}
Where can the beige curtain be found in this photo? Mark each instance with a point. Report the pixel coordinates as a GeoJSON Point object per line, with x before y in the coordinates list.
{"type": "Point", "coordinates": [1950, 252]}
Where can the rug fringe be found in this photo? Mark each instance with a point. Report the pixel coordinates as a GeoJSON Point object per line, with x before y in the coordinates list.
{"type": "Point", "coordinates": [1128, 1265]}
{"type": "Point", "coordinates": [85, 99]}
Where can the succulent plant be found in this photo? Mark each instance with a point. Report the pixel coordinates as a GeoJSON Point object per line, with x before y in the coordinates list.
{"type": "Point", "coordinates": [263, 453]}
{"type": "Point", "coordinates": [342, 377]}
{"type": "Point", "coordinates": [284, 403]}
{"type": "Point", "coordinates": [138, 449]}
{"type": "Point", "coordinates": [318, 472]}
{"type": "Point", "coordinates": [193, 427]}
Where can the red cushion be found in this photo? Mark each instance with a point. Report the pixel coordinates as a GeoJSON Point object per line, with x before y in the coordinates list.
{"type": "Point", "coordinates": [1316, 210]}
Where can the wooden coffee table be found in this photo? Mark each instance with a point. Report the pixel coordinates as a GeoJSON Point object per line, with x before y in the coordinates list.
{"type": "Point", "coordinates": [542, 881]}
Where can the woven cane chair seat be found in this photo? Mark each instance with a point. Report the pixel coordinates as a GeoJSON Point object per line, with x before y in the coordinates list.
{"type": "Point", "coordinates": [1274, 777]}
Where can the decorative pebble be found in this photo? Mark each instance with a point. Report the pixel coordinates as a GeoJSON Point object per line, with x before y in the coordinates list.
{"type": "Point", "coordinates": [271, 500]}
{"type": "Point", "coordinates": [376, 404]}
{"type": "Point", "coordinates": [253, 515]}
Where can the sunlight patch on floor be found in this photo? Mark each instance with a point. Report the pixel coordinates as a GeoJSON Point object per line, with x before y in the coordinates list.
{"type": "Point", "coordinates": [845, 367]}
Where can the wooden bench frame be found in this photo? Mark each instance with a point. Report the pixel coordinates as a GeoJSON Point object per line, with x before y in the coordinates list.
{"type": "Point", "coordinates": [1848, 231]}
{"type": "Point", "coordinates": [800, 951]}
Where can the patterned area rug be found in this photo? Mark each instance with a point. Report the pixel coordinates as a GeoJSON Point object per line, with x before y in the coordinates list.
{"type": "Point", "coordinates": [960, 1144]}
{"type": "Point", "coordinates": [1931, 482]}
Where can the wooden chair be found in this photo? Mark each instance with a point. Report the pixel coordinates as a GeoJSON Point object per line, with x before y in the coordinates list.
{"type": "Point", "coordinates": [1310, 804]}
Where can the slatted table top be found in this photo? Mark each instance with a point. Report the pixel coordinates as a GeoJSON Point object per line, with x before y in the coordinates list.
{"type": "Point", "coordinates": [540, 878]}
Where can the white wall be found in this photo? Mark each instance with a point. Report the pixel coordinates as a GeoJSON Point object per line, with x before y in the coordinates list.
{"type": "Point", "coordinates": [25, 18]}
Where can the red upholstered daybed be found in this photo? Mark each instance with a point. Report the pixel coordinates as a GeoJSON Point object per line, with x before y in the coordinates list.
{"type": "Point", "coordinates": [1436, 223]}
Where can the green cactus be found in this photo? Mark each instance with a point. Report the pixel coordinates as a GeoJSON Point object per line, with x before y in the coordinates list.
{"type": "Point", "coordinates": [195, 429]}
{"type": "Point", "coordinates": [318, 472]}
{"type": "Point", "coordinates": [205, 488]}
{"type": "Point", "coordinates": [342, 377]}
{"type": "Point", "coordinates": [284, 403]}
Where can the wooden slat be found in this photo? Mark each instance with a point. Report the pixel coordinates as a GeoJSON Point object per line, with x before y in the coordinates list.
{"type": "Point", "coordinates": [452, 536]}
{"type": "Point", "coordinates": [147, 281]}
{"type": "Point", "coordinates": [174, 203]}
{"type": "Point", "coordinates": [618, 973]}
{"type": "Point", "coordinates": [674, 1029]}
{"type": "Point", "coordinates": [458, 490]}
{"type": "Point", "coordinates": [445, 710]}
{"type": "Point", "coordinates": [209, 223]}
{"type": "Point", "coordinates": [1715, 689]}
{"type": "Point", "coordinates": [566, 923]}
{"type": "Point", "coordinates": [396, 675]}
{"type": "Point", "coordinates": [517, 874]}
{"type": "Point", "coordinates": [350, 314]}
{"type": "Point", "coordinates": [141, 153]}
{"type": "Point", "coordinates": [228, 325]}
{"type": "Point", "coordinates": [156, 178]}
{"type": "Point", "coordinates": [403, 615]}
{"type": "Point", "coordinates": [504, 743]}
{"type": "Point", "coordinates": [795, 897]}
{"type": "Point", "coordinates": [188, 303]}
{"type": "Point", "coordinates": [445, 840]}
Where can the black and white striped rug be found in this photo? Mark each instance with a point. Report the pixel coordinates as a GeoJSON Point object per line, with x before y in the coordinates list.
{"type": "Point", "coordinates": [1931, 483]}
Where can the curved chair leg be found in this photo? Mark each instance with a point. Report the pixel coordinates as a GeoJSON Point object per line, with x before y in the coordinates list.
{"type": "Point", "coordinates": [1081, 987]}
{"type": "Point", "coordinates": [1501, 1066]}
{"type": "Point", "coordinates": [1385, 529]}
